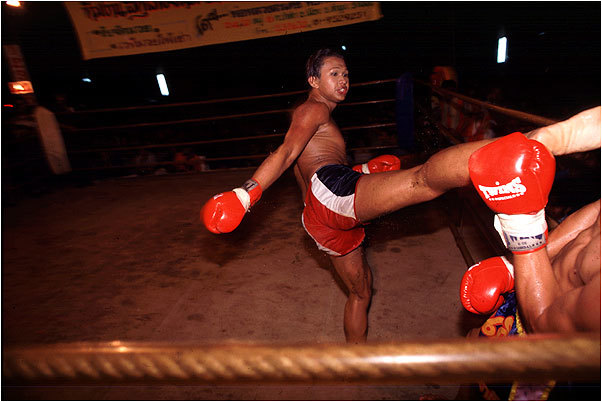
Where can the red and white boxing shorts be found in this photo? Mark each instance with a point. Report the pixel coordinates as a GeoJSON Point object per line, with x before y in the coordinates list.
{"type": "Point", "coordinates": [329, 213]}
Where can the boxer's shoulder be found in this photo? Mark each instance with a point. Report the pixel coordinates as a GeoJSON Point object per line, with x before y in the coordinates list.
{"type": "Point", "coordinates": [312, 109]}
{"type": "Point", "coordinates": [578, 262]}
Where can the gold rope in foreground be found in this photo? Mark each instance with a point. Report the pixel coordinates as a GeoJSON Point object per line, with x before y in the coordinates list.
{"type": "Point", "coordinates": [574, 357]}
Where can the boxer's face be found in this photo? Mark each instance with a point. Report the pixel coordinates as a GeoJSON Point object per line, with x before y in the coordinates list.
{"type": "Point", "coordinates": [333, 82]}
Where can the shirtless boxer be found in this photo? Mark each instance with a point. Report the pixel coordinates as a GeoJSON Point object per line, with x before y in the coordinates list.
{"type": "Point", "coordinates": [338, 198]}
{"type": "Point", "coordinates": [557, 283]}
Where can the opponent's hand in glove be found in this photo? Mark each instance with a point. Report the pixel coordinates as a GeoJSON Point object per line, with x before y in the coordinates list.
{"type": "Point", "coordinates": [224, 212]}
{"type": "Point", "coordinates": [514, 176]}
{"type": "Point", "coordinates": [383, 163]}
{"type": "Point", "coordinates": [484, 284]}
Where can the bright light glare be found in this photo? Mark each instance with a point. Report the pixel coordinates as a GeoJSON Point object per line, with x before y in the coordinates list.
{"type": "Point", "coordinates": [162, 84]}
{"type": "Point", "coordinates": [502, 45]}
{"type": "Point", "coordinates": [86, 79]}
{"type": "Point", "coordinates": [20, 87]}
{"type": "Point", "coordinates": [518, 165]}
{"type": "Point", "coordinates": [344, 47]}
{"type": "Point", "coordinates": [13, 3]}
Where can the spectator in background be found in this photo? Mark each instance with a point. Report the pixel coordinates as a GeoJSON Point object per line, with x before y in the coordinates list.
{"type": "Point", "coordinates": [145, 162]}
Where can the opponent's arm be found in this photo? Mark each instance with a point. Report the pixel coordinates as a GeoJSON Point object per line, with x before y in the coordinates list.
{"type": "Point", "coordinates": [545, 306]}
{"type": "Point", "coordinates": [224, 212]}
{"type": "Point", "coordinates": [579, 133]}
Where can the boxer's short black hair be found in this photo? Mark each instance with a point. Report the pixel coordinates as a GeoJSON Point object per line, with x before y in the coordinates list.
{"type": "Point", "coordinates": [316, 60]}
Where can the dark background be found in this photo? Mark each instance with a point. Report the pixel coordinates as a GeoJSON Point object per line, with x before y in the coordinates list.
{"type": "Point", "coordinates": [553, 67]}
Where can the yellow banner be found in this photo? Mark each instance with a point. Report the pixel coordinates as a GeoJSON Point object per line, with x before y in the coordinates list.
{"type": "Point", "coordinates": [108, 29]}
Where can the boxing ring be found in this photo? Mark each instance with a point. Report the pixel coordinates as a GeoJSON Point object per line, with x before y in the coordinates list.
{"type": "Point", "coordinates": [129, 288]}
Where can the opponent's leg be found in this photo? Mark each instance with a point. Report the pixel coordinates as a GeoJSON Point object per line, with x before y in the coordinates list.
{"type": "Point", "coordinates": [382, 193]}
{"type": "Point", "coordinates": [355, 273]}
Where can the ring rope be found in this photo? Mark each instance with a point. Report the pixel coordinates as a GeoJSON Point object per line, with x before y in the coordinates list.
{"type": "Point", "coordinates": [216, 118]}
{"type": "Point", "coordinates": [528, 117]}
{"type": "Point", "coordinates": [218, 140]}
{"type": "Point", "coordinates": [533, 357]}
{"type": "Point", "coordinates": [212, 101]}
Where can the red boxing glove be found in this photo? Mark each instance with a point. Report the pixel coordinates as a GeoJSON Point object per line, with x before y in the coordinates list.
{"type": "Point", "coordinates": [383, 163]}
{"type": "Point", "coordinates": [514, 176]}
{"type": "Point", "coordinates": [484, 284]}
{"type": "Point", "coordinates": [224, 212]}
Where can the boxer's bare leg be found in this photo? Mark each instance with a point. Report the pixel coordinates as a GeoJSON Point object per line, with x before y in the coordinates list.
{"type": "Point", "coordinates": [355, 273]}
{"type": "Point", "coordinates": [383, 193]}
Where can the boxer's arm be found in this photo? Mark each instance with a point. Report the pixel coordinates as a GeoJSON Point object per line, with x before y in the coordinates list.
{"type": "Point", "coordinates": [307, 118]}
{"type": "Point", "coordinates": [545, 307]}
{"type": "Point", "coordinates": [571, 227]}
{"type": "Point", "coordinates": [579, 133]}
{"type": "Point", "coordinates": [224, 212]}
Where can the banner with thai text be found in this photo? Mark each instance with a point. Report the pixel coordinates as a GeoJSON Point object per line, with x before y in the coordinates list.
{"type": "Point", "coordinates": [108, 29]}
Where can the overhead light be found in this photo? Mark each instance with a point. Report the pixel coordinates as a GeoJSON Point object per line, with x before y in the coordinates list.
{"type": "Point", "coordinates": [502, 49]}
{"type": "Point", "coordinates": [86, 79]}
{"type": "Point", "coordinates": [13, 3]}
{"type": "Point", "coordinates": [162, 85]}
{"type": "Point", "coordinates": [344, 47]}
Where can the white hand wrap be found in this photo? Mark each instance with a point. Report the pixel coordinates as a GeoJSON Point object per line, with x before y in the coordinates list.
{"type": "Point", "coordinates": [365, 168]}
{"type": "Point", "coordinates": [523, 233]}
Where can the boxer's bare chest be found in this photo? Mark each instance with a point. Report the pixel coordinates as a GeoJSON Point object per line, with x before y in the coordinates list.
{"type": "Point", "coordinates": [579, 261]}
{"type": "Point", "coordinates": [327, 146]}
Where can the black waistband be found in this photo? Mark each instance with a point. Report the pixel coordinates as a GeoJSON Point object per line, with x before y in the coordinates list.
{"type": "Point", "coordinates": [340, 179]}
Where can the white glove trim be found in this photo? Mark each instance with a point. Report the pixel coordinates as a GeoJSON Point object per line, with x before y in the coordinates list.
{"type": "Point", "coordinates": [508, 265]}
{"type": "Point", "coordinates": [243, 197]}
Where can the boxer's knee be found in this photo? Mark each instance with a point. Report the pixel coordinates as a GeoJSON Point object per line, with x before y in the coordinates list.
{"type": "Point", "coordinates": [361, 284]}
{"type": "Point", "coordinates": [363, 296]}
{"type": "Point", "coordinates": [355, 273]}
